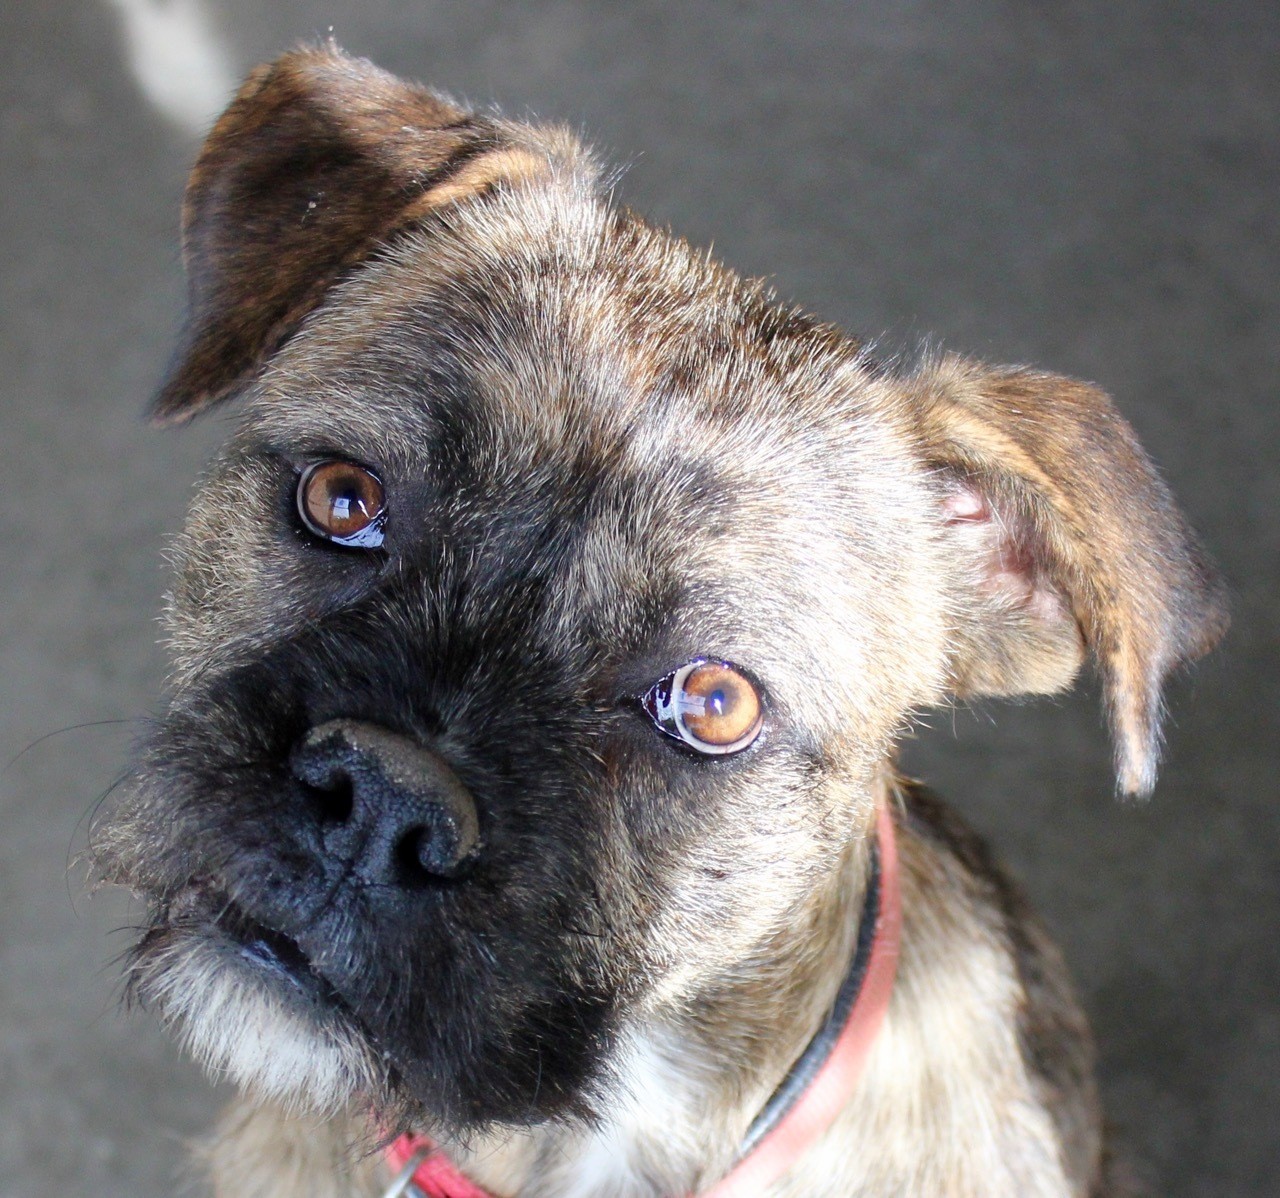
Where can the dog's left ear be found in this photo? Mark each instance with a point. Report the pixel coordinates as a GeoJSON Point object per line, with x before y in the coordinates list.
{"type": "Point", "coordinates": [1068, 540]}
{"type": "Point", "coordinates": [319, 160]}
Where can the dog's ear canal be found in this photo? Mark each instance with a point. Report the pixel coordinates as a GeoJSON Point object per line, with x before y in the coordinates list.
{"type": "Point", "coordinates": [318, 160]}
{"type": "Point", "coordinates": [1066, 540]}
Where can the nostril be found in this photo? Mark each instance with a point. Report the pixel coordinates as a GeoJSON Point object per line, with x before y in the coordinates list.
{"type": "Point", "coordinates": [334, 801]}
{"type": "Point", "coordinates": [326, 773]}
{"type": "Point", "coordinates": [389, 807]}
{"type": "Point", "coordinates": [429, 851]}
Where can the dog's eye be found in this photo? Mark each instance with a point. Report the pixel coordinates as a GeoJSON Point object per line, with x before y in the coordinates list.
{"type": "Point", "coordinates": [343, 503]}
{"type": "Point", "coordinates": [710, 705]}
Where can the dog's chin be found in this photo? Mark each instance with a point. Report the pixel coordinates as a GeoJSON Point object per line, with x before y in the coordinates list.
{"type": "Point", "coordinates": [246, 1005]}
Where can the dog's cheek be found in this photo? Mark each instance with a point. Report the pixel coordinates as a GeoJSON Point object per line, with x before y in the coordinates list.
{"type": "Point", "coordinates": [246, 575]}
{"type": "Point", "coordinates": [188, 820]}
{"type": "Point", "coordinates": [720, 853]}
{"type": "Point", "coordinates": [222, 597]}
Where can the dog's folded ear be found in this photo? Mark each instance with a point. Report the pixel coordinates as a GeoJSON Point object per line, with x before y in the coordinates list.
{"type": "Point", "coordinates": [318, 160]}
{"type": "Point", "coordinates": [1067, 541]}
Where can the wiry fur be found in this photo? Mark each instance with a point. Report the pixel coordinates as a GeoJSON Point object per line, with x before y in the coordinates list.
{"type": "Point", "coordinates": [260, 1151]}
{"type": "Point", "coordinates": [274, 1045]}
{"type": "Point", "coordinates": [605, 455]}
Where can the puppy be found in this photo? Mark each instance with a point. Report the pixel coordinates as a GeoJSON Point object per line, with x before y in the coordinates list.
{"type": "Point", "coordinates": [541, 638]}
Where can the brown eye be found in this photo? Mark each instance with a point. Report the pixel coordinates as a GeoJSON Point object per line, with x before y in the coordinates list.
{"type": "Point", "coordinates": [343, 503]}
{"type": "Point", "coordinates": [710, 705]}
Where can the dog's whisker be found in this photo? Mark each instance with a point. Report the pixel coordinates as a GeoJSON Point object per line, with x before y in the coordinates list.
{"type": "Point", "coordinates": [40, 740]}
{"type": "Point", "coordinates": [87, 819]}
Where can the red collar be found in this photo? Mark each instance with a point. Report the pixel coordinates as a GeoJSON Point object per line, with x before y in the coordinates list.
{"type": "Point", "coordinates": [810, 1097]}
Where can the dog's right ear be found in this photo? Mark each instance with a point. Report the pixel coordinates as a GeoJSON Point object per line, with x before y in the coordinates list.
{"type": "Point", "coordinates": [318, 160]}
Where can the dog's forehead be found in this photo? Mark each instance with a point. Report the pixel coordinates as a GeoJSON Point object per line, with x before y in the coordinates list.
{"type": "Point", "coordinates": [597, 400]}
{"type": "Point", "coordinates": [562, 318]}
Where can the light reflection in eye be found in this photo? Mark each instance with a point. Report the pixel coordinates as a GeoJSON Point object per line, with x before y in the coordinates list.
{"type": "Point", "coordinates": [710, 705]}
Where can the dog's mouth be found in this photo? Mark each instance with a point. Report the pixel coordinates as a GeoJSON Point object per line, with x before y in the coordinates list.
{"type": "Point", "coordinates": [273, 951]}
{"type": "Point", "coordinates": [199, 909]}
{"type": "Point", "coordinates": [276, 954]}
{"type": "Point", "coordinates": [249, 1002]}
{"type": "Point", "coordinates": [315, 953]}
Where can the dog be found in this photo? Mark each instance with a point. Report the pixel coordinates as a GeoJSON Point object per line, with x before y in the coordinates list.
{"type": "Point", "coordinates": [525, 797]}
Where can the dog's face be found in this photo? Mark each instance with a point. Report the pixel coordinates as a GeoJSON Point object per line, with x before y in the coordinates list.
{"type": "Point", "coordinates": [544, 628]}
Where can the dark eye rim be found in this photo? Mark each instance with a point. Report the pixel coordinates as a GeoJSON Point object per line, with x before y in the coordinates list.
{"type": "Point", "coordinates": [657, 698]}
{"type": "Point", "coordinates": [370, 537]}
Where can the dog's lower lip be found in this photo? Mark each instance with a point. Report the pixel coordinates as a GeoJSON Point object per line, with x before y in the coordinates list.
{"type": "Point", "coordinates": [266, 948]}
{"type": "Point", "coordinates": [279, 954]}
{"type": "Point", "coordinates": [260, 946]}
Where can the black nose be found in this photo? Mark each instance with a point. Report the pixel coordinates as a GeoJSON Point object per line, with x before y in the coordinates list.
{"type": "Point", "coordinates": [390, 807]}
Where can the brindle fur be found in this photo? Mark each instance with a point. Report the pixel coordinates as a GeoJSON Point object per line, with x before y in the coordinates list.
{"type": "Point", "coordinates": [605, 455]}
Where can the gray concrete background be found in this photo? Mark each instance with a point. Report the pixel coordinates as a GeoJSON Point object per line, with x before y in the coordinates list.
{"type": "Point", "coordinates": [1087, 186]}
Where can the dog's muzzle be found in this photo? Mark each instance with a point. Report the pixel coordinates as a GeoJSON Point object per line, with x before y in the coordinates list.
{"type": "Point", "coordinates": [391, 808]}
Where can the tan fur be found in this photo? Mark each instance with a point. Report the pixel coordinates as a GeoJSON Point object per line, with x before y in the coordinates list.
{"type": "Point", "coordinates": [259, 1151]}
{"type": "Point", "coordinates": [870, 541]}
